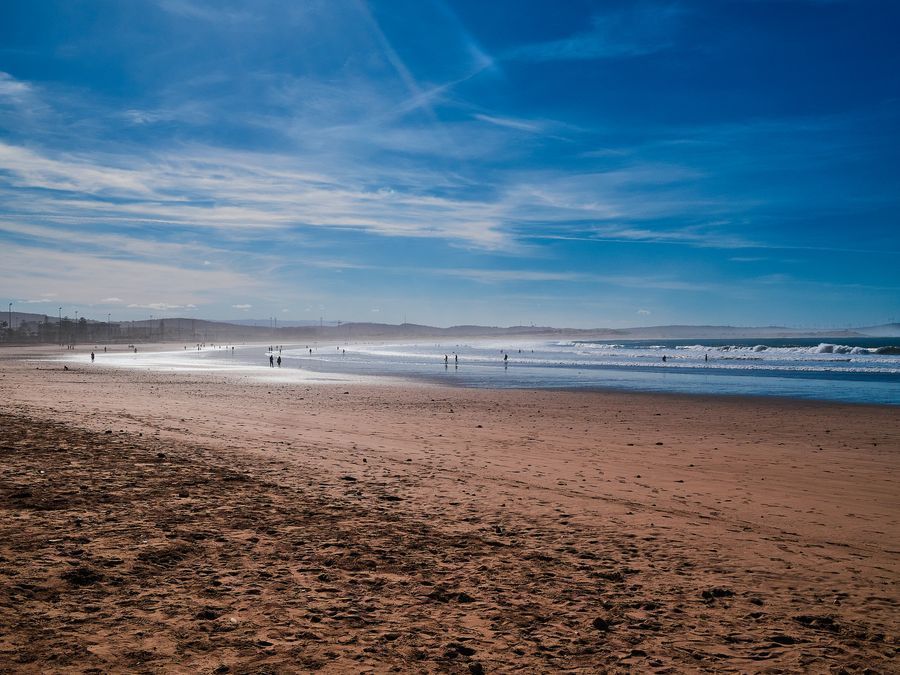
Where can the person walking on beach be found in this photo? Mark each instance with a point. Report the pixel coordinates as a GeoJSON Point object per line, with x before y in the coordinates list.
{"type": "Point", "coordinates": [271, 361]}
{"type": "Point", "coordinates": [92, 357]}
{"type": "Point", "coordinates": [279, 360]}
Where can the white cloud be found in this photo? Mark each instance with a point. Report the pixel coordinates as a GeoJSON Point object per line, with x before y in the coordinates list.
{"type": "Point", "coordinates": [243, 307]}
{"type": "Point", "coordinates": [111, 301]}
{"type": "Point", "coordinates": [644, 312]}
{"type": "Point", "coordinates": [13, 89]}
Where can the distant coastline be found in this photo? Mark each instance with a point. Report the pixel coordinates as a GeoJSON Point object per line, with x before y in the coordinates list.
{"type": "Point", "coordinates": [29, 328]}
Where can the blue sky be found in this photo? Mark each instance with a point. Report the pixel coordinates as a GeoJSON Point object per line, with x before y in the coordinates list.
{"type": "Point", "coordinates": [508, 162]}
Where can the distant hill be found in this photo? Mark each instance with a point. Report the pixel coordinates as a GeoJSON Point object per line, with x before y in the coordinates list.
{"type": "Point", "coordinates": [29, 327]}
{"type": "Point", "coordinates": [884, 330]}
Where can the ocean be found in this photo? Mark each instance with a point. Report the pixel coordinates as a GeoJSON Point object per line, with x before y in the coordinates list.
{"type": "Point", "coordinates": [862, 370]}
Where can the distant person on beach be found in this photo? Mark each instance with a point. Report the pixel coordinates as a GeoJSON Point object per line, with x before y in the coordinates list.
{"type": "Point", "coordinates": [271, 361]}
{"type": "Point", "coordinates": [706, 357]}
{"type": "Point", "coordinates": [279, 361]}
{"type": "Point", "coordinates": [664, 358]}
{"type": "Point", "coordinates": [505, 360]}
{"type": "Point", "coordinates": [92, 357]}
{"type": "Point", "coordinates": [456, 359]}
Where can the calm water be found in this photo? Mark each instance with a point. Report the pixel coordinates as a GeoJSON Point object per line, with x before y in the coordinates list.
{"type": "Point", "coordinates": [858, 370]}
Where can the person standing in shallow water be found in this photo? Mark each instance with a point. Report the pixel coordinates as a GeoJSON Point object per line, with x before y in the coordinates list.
{"type": "Point", "coordinates": [279, 361]}
{"type": "Point", "coordinates": [92, 357]}
{"type": "Point", "coordinates": [271, 361]}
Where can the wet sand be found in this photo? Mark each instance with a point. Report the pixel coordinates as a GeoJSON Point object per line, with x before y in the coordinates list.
{"type": "Point", "coordinates": [180, 523]}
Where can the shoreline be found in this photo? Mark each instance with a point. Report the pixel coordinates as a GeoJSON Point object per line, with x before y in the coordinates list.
{"type": "Point", "coordinates": [326, 377]}
{"type": "Point", "coordinates": [544, 530]}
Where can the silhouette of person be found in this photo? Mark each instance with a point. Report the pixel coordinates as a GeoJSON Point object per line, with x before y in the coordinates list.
{"type": "Point", "coordinates": [279, 362]}
{"type": "Point", "coordinates": [92, 357]}
{"type": "Point", "coordinates": [271, 361]}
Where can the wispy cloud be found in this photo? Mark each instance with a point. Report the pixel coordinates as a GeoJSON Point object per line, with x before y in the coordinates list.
{"type": "Point", "coordinates": [206, 12]}
{"type": "Point", "coordinates": [13, 90]}
{"type": "Point", "coordinates": [234, 192]}
{"type": "Point", "coordinates": [509, 122]}
{"type": "Point", "coordinates": [525, 276]}
{"type": "Point", "coordinates": [162, 306]}
{"type": "Point", "coordinates": [29, 270]}
{"type": "Point", "coordinates": [637, 29]}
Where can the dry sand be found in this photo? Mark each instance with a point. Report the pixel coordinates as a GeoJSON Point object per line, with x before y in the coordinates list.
{"type": "Point", "coordinates": [160, 522]}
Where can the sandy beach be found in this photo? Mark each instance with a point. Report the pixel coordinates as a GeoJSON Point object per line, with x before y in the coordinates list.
{"type": "Point", "coordinates": [157, 522]}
